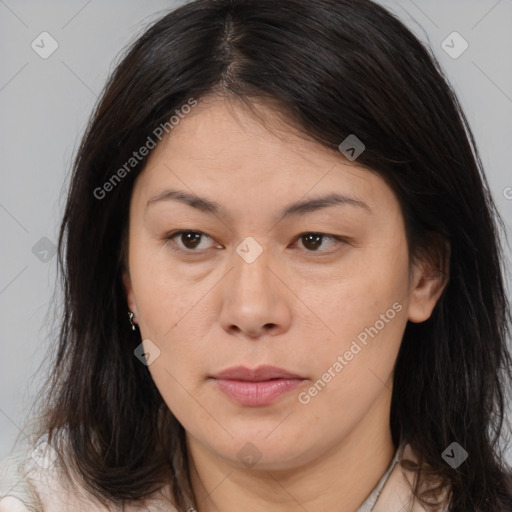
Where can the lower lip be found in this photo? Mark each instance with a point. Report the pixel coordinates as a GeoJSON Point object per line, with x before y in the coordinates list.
{"type": "Point", "coordinates": [256, 393]}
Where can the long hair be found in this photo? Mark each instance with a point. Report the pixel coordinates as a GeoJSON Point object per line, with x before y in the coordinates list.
{"type": "Point", "coordinates": [332, 68]}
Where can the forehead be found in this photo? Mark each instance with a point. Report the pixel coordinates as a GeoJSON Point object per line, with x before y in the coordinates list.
{"type": "Point", "coordinates": [221, 149]}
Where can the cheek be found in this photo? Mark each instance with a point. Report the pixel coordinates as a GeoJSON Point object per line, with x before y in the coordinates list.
{"type": "Point", "coordinates": [368, 337]}
{"type": "Point", "coordinates": [167, 291]}
{"type": "Point", "coordinates": [366, 311]}
{"type": "Point", "coordinates": [374, 289]}
{"type": "Point", "coordinates": [355, 368]}
{"type": "Point", "coordinates": [164, 299]}
{"type": "Point", "coordinates": [171, 377]}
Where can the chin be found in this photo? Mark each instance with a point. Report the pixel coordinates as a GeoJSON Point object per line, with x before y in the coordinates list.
{"type": "Point", "coordinates": [262, 452]}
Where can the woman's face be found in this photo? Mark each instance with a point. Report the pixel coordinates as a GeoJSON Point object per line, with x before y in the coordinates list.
{"type": "Point", "coordinates": [258, 287]}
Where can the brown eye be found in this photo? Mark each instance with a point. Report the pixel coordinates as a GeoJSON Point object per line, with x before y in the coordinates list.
{"type": "Point", "coordinates": [190, 240]}
{"type": "Point", "coordinates": [312, 241]}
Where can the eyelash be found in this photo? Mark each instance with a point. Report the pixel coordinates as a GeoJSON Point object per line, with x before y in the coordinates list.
{"type": "Point", "coordinates": [173, 235]}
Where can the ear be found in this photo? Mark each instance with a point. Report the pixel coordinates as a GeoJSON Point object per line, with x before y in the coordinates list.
{"type": "Point", "coordinates": [129, 294]}
{"type": "Point", "coordinates": [429, 278]}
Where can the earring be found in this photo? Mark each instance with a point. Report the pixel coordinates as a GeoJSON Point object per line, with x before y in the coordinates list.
{"type": "Point", "coordinates": [130, 316]}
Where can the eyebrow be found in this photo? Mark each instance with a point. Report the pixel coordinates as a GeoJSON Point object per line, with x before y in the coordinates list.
{"type": "Point", "coordinates": [298, 208]}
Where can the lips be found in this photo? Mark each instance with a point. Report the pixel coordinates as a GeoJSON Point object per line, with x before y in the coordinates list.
{"type": "Point", "coordinates": [262, 373]}
{"type": "Point", "coordinates": [256, 387]}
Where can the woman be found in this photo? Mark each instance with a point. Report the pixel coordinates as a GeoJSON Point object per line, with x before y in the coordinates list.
{"type": "Point", "coordinates": [286, 199]}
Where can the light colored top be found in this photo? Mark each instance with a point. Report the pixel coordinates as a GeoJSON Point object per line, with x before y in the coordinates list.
{"type": "Point", "coordinates": [26, 485]}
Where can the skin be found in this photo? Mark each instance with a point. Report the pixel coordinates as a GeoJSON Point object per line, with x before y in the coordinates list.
{"type": "Point", "coordinates": [297, 306]}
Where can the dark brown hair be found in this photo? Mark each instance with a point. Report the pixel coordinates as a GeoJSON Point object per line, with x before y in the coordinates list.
{"type": "Point", "coordinates": [335, 68]}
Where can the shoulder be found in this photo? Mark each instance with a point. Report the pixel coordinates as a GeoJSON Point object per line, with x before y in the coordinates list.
{"type": "Point", "coordinates": [397, 495]}
{"type": "Point", "coordinates": [16, 491]}
{"type": "Point", "coordinates": [31, 480]}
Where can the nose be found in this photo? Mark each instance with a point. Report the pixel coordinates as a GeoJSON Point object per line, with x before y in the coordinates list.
{"type": "Point", "coordinates": [256, 299]}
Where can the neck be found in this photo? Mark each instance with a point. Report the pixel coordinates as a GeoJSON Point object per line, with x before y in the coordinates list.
{"type": "Point", "coordinates": [340, 479]}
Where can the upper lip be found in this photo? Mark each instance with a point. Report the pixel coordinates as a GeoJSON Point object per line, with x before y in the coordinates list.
{"type": "Point", "coordinates": [261, 373]}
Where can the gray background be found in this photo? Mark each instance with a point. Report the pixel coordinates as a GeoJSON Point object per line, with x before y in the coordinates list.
{"type": "Point", "coordinates": [45, 104]}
